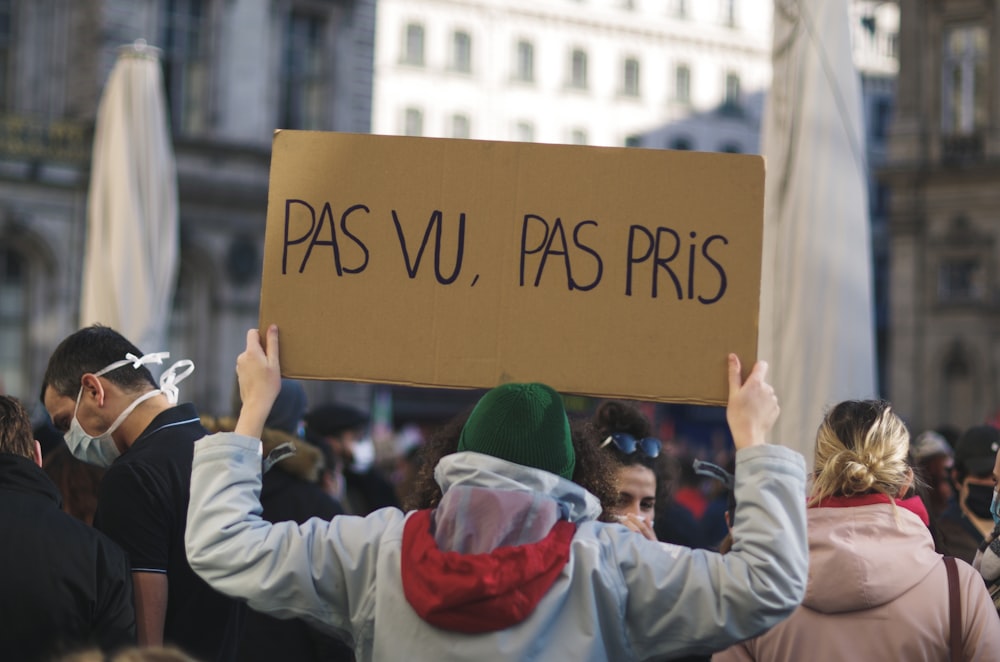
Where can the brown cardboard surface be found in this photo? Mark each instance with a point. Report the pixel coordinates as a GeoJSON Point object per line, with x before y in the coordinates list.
{"type": "Point", "coordinates": [600, 271]}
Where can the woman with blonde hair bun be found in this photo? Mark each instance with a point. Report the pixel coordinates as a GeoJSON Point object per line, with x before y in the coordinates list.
{"type": "Point", "coordinates": [877, 590]}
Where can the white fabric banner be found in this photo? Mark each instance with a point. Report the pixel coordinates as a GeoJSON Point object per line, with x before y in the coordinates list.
{"type": "Point", "coordinates": [816, 323]}
{"type": "Point", "coordinates": [129, 267]}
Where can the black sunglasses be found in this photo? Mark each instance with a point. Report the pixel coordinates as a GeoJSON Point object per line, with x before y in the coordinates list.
{"type": "Point", "coordinates": [628, 444]}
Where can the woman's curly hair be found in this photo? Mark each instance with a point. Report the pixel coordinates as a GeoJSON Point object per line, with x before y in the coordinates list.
{"type": "Point", "coordinates": [620, 416]}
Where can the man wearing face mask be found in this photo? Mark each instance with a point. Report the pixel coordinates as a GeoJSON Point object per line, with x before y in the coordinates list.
{"type": "Point", "coordinates": [987, 560]}
{"type": "Point", "coordinates": [966, 520]}
{"type": "Point", "coordinates": [355, 482]}
{"type": "Point", "coordinates": [102, 397]}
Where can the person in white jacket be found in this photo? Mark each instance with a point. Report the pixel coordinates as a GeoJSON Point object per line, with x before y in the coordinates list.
{"type": "Point", "coordinates": [511, 564]}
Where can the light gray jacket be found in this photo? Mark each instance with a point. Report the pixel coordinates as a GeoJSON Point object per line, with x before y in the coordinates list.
{"type": "Point", "coordinates": [618, 597]}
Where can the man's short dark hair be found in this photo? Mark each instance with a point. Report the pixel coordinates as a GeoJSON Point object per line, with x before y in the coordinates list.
{"type": "Point", "coordinates": [15, 429]}
{"type": "Point", "coordinates": [88, 350]}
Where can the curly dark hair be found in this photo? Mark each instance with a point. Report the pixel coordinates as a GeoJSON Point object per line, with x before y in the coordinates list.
{"type": "Point", "coordinates": [594, 470]}
{"type": "Point", "coordinates": [620, 416]}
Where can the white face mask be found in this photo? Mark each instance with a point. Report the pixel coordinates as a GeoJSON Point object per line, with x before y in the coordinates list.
{"type": "Point", "coordinates": [364, 455]}
{"type": "Point", "coordinates": [102, 450]}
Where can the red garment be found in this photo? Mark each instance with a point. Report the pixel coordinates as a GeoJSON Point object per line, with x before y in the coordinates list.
{"type": "Point", "coordinates": [476, 593]}
{"type": "Point", "coordinates": [914, 504]}
{"type": "Point", "coordinates": [692, 499]}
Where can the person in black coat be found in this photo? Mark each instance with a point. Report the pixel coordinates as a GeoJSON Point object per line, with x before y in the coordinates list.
{"type": "Point", "coordinates": [65, 585]}
{"type": "Point", "coordinates": [290, 491]}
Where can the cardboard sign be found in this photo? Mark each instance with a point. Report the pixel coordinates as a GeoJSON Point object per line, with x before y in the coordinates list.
{"type": "Point", "coordinates": [609, 272]}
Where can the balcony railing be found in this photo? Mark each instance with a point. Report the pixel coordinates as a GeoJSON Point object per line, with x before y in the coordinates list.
{"type": "Point", "coordinates": [23, 137]}
{"type": "Point", "coordinates": [962, 148]}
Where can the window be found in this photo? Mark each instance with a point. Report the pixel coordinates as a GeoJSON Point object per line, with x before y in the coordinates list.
{"type": "Point", "coordinates": [413, 46]}
{"type": "Point", "coordinates": [731, 103]}
{"type": "Point", "coordinates": [461, 52]}
{"type": "Point", "coordinates": [578, 70]}
{"type": "Point", "coordinates": [303, 73]}
{"type": "Point", "coordinates": [729, 13]}
{"type": "Point", "coordinates": [413, 122]}
{"type": "Point", "coordinates": [964, 88]}
{"type": "Point", "coordinates": [525, 61]}
{"type": "Point", "coordinates": [524, 132]}
{"type": "Point", "coordinates": [578, 137]}
{"type": "Point", "coordinates": [191, 315]}
{"type": "Point", "coordinates": [881, 114]}
{"type": "Point", "coordinates": [630, 82]}
{"type": "Point", "coordinates": [460, 126]}
{"type": "Point", "coordinates": [958, 280]}
{"type": "Point", "coordinates": [681, 143]}
{"type": "Point", "coordinates": [6, 52]}
{"type": "Point", "coordinates": [13, 321]}
{"type": "Point", "coordinates": [682, 84]}
{"type": "Point", "coordinates": [185, 64]}
{"type": "Point", "coordinates": [960, 400]}
{"type": "Point", "coordinates": [879, 202]}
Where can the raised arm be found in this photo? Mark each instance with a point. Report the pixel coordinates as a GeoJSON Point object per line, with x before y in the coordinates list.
{"type": "Point", "coordinates": [319, 570]}
{"type": "Point", "coordinates": [259, 374]}
{"type": "Point", "coordinates": [753, 406]}
{"type": "Point", "coordinates": [685, 601]}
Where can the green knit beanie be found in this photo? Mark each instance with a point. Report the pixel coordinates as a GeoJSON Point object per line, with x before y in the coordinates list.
{"type": "Point", "coordinates": [522, 423]}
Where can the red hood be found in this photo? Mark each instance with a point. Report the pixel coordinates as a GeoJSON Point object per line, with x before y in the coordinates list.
{"type": "Point", "coordinates": [476, 593]}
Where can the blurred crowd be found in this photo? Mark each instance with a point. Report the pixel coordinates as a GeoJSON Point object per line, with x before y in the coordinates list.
{"type": "Point", "coordinates": [321, 460]}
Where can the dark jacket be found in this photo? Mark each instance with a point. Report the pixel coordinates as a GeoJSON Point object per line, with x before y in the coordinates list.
{"type": "Point", "coordinates": [64, 585]}
{"type": "Point", "coordinates": [954, 534]}
{"type": "Point", "coordinates": [289, 492]}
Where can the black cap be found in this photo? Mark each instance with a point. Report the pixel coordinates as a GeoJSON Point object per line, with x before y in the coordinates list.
{"type": "Point", "coordinates": [332, 419]}
{"type": "Point", "coordinates": [976, 450]}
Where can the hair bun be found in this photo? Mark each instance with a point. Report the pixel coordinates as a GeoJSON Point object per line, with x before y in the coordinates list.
{"type": "Point", "coordinates": [617, 416]}
{"type": "Point", "coordinates": [858, 477]}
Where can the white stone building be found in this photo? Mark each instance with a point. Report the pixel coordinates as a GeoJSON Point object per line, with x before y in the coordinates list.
{"type": "Point", "coordinates": [595, 72]}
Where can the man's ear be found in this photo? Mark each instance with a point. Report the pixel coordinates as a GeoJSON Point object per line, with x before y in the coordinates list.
{"type": "Point", "coordinates": [94, 387]}
{"type": "Point", "coordinates": [38, 453]}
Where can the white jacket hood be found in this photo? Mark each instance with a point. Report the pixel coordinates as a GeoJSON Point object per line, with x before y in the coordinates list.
{"type": "Point", "coordinates": [478, 469]}
{"type": "Point", "coordinates": [865, 556]}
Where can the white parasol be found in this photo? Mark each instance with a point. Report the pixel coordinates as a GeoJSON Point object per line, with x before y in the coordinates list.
{"type": "Point", "coordinates": [129, 266]}
{"type": "Point", "coordinates": [816, 295]}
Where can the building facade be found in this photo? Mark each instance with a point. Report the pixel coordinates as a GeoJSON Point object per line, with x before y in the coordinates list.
{"type": "Point", "coordinates": [874, 28]}
{"type": "Point", "coordinates": [234, 70]}
{"type": "Point", "coordinates": [594, 72]}
{"type": "Point", "coordinates": [944, 215]}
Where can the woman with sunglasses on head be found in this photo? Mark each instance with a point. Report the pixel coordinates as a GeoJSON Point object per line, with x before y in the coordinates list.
{"type": "Point", "coordinates": [644, 476]}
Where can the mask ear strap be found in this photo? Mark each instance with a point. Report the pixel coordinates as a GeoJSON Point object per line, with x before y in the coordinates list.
{"type": "Point", "coordinates": [170, 379]}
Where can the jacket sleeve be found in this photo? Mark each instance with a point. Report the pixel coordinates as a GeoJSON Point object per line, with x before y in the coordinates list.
{"type": "Point", "coordinates": [114, 613]}
{"type": "Point", "coordinates": [321, 571]}
{"type": "Point", "coordinates": [980, 626]}
{"type": "Point", "coordinates": [682, 601]}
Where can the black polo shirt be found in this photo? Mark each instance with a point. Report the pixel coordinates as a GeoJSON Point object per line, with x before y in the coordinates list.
{"type": "Point", "coordinates": [142, 506]}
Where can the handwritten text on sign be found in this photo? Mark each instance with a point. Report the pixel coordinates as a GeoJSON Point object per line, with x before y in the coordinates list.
{"type": "Point", "coordinates": [601, 271]}
{"type": "Point", "coordinates": [660, 250]}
